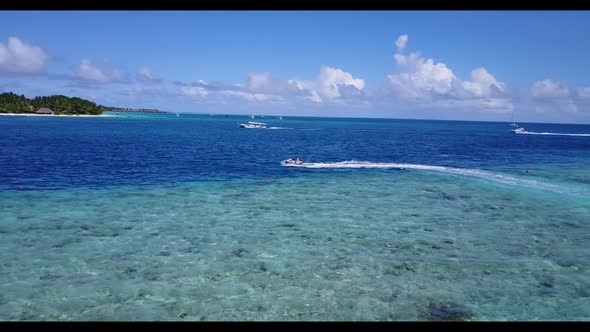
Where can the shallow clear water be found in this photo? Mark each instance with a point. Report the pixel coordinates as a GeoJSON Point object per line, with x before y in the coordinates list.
{"type": "Point", "coordinates": [151, 218]}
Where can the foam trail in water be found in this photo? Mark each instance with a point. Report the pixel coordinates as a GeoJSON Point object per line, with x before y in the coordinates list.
{"type": "Point", "coordinates": [552, 134]}
{"type": "Point", "coordinates": [278, 128]}
{"type": "Point", "coordinates": [500, 178]}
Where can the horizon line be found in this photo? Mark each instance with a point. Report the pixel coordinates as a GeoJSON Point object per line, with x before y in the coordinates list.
{"type": "Point", "coordinates": [375, 118]}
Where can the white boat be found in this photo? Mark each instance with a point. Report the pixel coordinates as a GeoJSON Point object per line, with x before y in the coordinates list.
{"type": "Point", "coordinates": [251, 125]}
{"type": "Point", "coordinates": [518, 130]}
{"type": "Point", "coordinates": [292, 162]}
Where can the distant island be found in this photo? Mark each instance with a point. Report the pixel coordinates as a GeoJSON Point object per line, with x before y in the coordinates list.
{"type": "Point", "coordinates": [11, 103]}
{"type": "Point", "coordinates": [58, 105]}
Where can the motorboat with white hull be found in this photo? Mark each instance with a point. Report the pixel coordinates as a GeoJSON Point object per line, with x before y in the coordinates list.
{"type": "Point", "coordinates": [292, 162]}
{"type": "Point", "coordinates": [518, 130]}
{"type": "Point", "coordinates": [253, 125]}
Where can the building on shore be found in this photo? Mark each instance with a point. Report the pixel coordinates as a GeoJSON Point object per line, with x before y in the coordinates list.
{"type": "Point", "coordinates": [44, 110]}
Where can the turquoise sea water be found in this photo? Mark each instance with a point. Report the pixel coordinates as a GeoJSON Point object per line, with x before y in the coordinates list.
{"type": "Point", "coordinates": [161, 218]}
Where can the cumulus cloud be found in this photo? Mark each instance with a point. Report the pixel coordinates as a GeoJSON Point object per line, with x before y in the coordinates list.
{"type": "Point", "coordinates": [332, 85]}
{"type": "Point", "coordinates": [21, 58]}
{"type": "Point", "coordinates": [549, 89]}
{"type": "Point", "coordinates": [87, 71]}
{"type": "Point", "coordinates": [484, 84]}
{"type": "Point", "coordinates": [422, 79]}
{"type": "Point", "coordinates": [429, 83]}
{"type": "Point", "coordinates": [551, 95]}
{"type": "Point", "coordinates": [401, 41]}
{"type": "Point", "coordinates": [220, 92]}
{"type": "Point", "coordinates": [332, 81]}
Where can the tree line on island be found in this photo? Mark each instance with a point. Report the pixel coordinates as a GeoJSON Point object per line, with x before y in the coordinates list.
{"type": "Point", "coordinates": [58, 104]}
{"type": "Point", "coordinates": [13, 103]}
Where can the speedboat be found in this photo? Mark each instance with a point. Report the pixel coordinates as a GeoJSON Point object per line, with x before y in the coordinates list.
{"type": "Point", "coordinates": [292, 162]}
{"type": "Point", "coordinates": [518, 130]}
{"type": "Point", "coordinates": [251, 125]}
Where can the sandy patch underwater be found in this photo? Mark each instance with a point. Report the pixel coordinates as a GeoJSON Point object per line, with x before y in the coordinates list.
{"type": "Point", "coordinates": [345, 245]}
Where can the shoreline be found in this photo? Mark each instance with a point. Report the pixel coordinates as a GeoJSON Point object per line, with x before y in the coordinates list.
{"type": "Point", "coordinates": [59, 115]}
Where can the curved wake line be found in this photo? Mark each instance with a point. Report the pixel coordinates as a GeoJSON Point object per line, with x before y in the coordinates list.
{"type": "Point", "coordinates": [552, 134]}
{"type": "Point", "coordinates": [495, 177]}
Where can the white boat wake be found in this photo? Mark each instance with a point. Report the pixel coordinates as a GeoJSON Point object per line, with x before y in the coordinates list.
{"type": "Point", "coordinates": [490, 176]}
{"type": "Point", "coordinates": [551, 134]}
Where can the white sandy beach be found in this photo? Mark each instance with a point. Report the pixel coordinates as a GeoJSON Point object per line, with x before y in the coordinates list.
{"type": "Point", "coordinates": [62, 115]}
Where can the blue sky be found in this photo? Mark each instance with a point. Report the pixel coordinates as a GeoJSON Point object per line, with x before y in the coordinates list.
{"type": "Point", "coordinates": [403, 64]}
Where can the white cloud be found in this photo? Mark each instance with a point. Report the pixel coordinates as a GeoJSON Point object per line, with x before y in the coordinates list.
{"type": "Point", "coordinates": [258, 81]}
{"type": "Point", "coordinates": [429, 83]}
{"type": "Point", "coordinates": [145, 74]}
{"type": "Point", "coordinates": [420, 81]}
{"type": "Point", "coordinates": [314, 97]}
{"type": "Point", "coordinates": [422, 77]}
{"type": "Point", "coordinates": [401, 41]}
{"type": "Point", "coordinates": [331, 80]}
{"type": "Point", "coordinates": [549, 89]}
{"type": "Point", "coordinates": [554, 96]}
{"type": "Point", "coordinates": [331, 85]}
{"type": "Point", "coordinates": [87, 71]}
{"type": "Point", "coordinates": [19, 57]}
{"type": "Point", "coordinates": [483, 83]}
{"type": "Point", "coordinates": [194, 91]}
{"type": "Point", "coordinates": [254, 97]}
